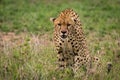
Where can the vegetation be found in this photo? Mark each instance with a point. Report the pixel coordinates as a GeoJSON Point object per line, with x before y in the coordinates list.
{"type": "Point", "coordinates": [26, 46]}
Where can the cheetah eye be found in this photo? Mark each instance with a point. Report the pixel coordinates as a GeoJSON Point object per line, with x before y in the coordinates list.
{"type": "Point", "coordinates": [68, 24]}
{"type": "Point", "coordinates": [59, 24]}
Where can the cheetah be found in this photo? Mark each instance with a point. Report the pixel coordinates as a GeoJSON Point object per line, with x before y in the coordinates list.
{"type": "Point", "coordinates": [70, 42]}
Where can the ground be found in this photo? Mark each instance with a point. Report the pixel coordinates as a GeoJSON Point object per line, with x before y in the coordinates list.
{"type": "Point", "coordinates": [26, 43]}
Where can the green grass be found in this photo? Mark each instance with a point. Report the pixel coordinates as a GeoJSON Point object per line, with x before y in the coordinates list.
{"type": "Point", "coordinates": [34, 57]}
{"type": "Point", "coordinates": [33, 15]}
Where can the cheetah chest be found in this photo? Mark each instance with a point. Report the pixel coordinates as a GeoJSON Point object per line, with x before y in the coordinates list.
{"type": "Point", "coordinates": [67, 48]}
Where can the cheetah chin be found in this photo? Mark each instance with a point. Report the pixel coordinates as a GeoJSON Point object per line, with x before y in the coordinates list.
{"type": "Point", "coordinates": [63, 36]}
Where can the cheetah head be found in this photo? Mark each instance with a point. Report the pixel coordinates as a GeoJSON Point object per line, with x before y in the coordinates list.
{"type": "Point", "coordinates": [63, 26]}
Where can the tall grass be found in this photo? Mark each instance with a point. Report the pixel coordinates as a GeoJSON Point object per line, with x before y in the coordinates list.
{"type": "Point", "coordinates": [26, 46]}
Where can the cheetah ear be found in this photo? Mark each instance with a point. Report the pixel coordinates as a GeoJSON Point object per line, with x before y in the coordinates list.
{"type": "Point", "coordinates": [52, 19]}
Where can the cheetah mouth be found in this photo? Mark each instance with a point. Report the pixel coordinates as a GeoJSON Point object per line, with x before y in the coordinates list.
{"type": "Point", "coordinates": [63, 36]}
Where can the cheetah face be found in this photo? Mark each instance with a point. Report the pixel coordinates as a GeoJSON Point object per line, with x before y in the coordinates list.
{"type": "Point", "coordinates": [63, 26]}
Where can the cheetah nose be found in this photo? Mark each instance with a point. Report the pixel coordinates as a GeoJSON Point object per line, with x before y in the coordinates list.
{"type": "Point", "coordinates": [63, 32]}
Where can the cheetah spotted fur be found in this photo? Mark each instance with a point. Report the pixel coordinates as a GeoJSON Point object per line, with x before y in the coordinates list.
{"type": "Point", "coordinates": [70, 42]}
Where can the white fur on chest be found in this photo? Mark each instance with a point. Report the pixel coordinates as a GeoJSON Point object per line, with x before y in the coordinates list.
{"type": "Point", "coordinates": [67, 47]}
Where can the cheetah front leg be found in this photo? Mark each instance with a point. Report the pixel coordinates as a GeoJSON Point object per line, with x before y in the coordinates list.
{"type": "Point", "coordinates": [81, 67]}
{"type": "Point", "coordinates": [92, 66]}
{"type": "Point", "coordinates": [61, 61]}
{"type": "Point", "coordinates": [62, 65]}
{"type": "Point", "coordinates": [77, 67]}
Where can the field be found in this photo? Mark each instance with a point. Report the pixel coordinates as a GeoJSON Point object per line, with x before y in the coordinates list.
{"type": "Point", "coordinates": [27, 50]}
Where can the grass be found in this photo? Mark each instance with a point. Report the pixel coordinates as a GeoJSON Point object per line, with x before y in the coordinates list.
{"type": "Point", "coordinates": [26, 46]}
